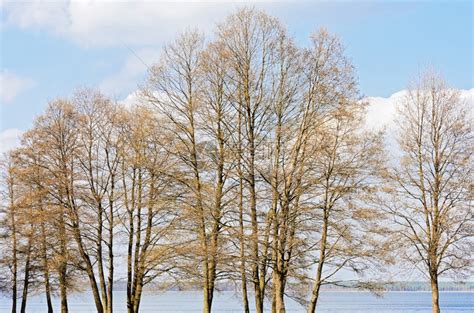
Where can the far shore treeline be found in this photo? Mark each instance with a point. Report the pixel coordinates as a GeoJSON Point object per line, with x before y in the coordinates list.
{"type": "Point", "coordinates": [444, 286]}
{"type": "Point", "coordinates": [245, 164]}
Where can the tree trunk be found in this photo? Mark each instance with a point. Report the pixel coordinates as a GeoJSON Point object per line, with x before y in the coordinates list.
{"type": "Point", "coordinates": [243, 272]}
{"type": "Point", "coordinates": [63, 264]}
{"type": "Point", "coordinates": [63, 289]}
{"type": "Point", "coordinates": [140, 269]}
{"type": "Point", "coordinates": [129, 260]}
{"type": "Point", "coordinates": [202, 226]}
{"type": "Point", "coordinates": [217, 213]}
{"type": "Point", "coordinates": [47, 285]}
{"type": "Point", "coordinates": [130, 206]}
{"type": "Point", "coordinates": [88, 266]}
{"type": "Point", "coordinates": [253, 216]}
{"type": "Point", "coordinates": [15, 262]}
{"type": "Point", "coordinates": [110, 278]}
{"type": "Point", "coordinates": [138, 295]}
{"type": "Point", "coordinates": [26, 279]}
{"type": "Point", "coordinates": [76, 232]}
{"type": "Point", "coordinates": [322, 257]}
{"type": "Point", "coordinates": [14, 293]}
{"type": "Point", "coordinates": [435, 293]}
{"type": "Point", "coordinates": [138, 239]}
{"type": "Point", "coordinates": [279, 293]}
{"type": "Point", "coordinates": [100, 261]}
{"type": "Point", "coordinates": [211, 282]}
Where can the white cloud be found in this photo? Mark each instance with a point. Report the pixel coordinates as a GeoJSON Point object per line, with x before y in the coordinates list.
{"type": "Point", "coordinates": [11, 85]}
{"type": "Point", "coordinates": [132, 100]}
{"type": "Point", "coordinates": [9, 139]}
{"type": "Point", "coordinates": [108, 23]}
{"type": "Point", "coordinates": [468, 96]}
{"type": "Point", "coordinates": [36, 13]}
{"type": "Point", "coordinates": [381, 112]}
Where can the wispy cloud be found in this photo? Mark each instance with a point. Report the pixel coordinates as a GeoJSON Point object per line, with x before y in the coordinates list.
{"type": "Point", "coordinates": [11, 85]}
{"type": "Point", "coordinates": [131, 73]}
{"type": "Point", "coordinates": [111, 23]}
{"type": "Point", "coordinates": [9, 139]}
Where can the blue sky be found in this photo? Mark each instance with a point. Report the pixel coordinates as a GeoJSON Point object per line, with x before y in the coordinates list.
{"type": "Point", "coordinates": [50, 48]}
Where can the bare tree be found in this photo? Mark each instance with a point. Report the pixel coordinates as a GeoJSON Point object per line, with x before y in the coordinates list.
{"type": "Point", "coordinates": [149, 200]}
{"type": "Point", "coordinates": [291, 128]}
{"type": "Point", "coordinates": [9, 230]}
{"type": "Point", "coordinates": [25, 221]}
{"type": "Point", "coordinates": [245, 160]}
{"type": "Point", "coordinates": [430, 193]}
{"type": "Point", "coordinates": [98, 160]}
{"type": "Point", "coordinates": [185, 91]}
{"type": "Point", "coordinates": [216, 119]}
{"type": "Point", "coordinates": [56, 138]}
{"type": "Point", "coordinates": [250, 40]}
{"type": "Point", "coordinates": [344, 164]}
{"type": "Point", "coordinates": [31, 174]}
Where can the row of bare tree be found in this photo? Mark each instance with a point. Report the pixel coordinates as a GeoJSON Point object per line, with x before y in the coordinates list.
{"type": "Point", "coordinates": [245, 160]}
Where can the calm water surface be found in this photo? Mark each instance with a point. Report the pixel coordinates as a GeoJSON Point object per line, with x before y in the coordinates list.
{"type": "Point", "coordinates": [226, 302]}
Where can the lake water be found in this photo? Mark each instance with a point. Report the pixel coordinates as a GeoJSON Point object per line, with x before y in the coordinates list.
{"type": "Point", "coordinates": [226, 302]}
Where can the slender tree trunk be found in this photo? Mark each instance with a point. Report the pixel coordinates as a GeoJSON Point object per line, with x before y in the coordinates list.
{"type": "Point", "coordinates": [100, 261]}
{"type": "Point", "coordinates": [203, 235]}
{"type": "Point", "coordinates": [47, 288]}
{"type": "Point", "coordinates": [138, 296]}
{"type": "Point", "coordinates": [14, 285]}
{"type": "Point", "coordinates": [63, 264]}
{"type": "Point", "coordinates": [47, 285]}
{"type": "Point", "coordinates": [255, 255]}
{"type": "Point", "coordinates": [129, 263]}
{"type": "Point", "coordinates": [202, 221]}
{"type": "Point", "coordinates": [279, 294]}
{"type": "Point", "coordinates": [212, 267]}
{"type": "Point", "coordinates": [85, 257]}
{"type": "Point", "coordinates": [434, 292]}
{"type": "Point", "coordinates": [217, 210]}
{"type": "Point", "coordinates": [205, 260]}
{"type": "Point", "coordinates": [138, 242]}
{"type": "Point", "coordinates": [15, 260]}
{"type": "Point", "coordinates": [140, 269]}
{"type": "Point", "coordinates": [319, 271]}
{"type": "Point", "coordinates": [89, 268]}
{"type": "Point", "coordinates": [264, 258]}
{"type": "Point", "coordinates": [26, 279]}
{"type": "Point", "coordinates": [110, 278]}
{"type": "Point", "coordinates": [253, 217]}
{"type": "Point", "coordinates": [76, 232]}
{"type": "Point", "coordinates": [63, 289]}
{"type": "Point", "coordinates": [140, 272]}
{"type": "Point", "coordinates": [130, 208]}
{"type": "Point", "coordinates": [277, 302]}
{"type": "Point", "coordinates": [243, 271]}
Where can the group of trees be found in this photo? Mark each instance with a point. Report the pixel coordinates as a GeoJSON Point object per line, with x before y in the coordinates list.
{"type": "Point", "coordinates": [246, 160]}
